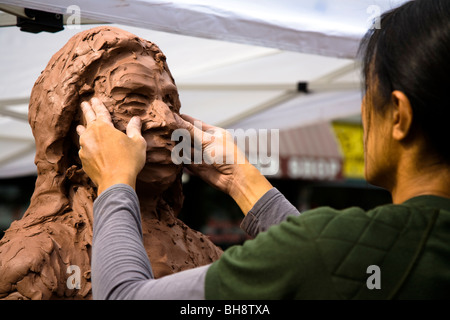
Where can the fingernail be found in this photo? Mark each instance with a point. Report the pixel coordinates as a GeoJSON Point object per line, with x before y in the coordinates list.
{"type": "Point", "coordinates": [179, 120]}
{"type": "Point", "coordinates": [96, 100]}
{"type": "Point", "coordinates": [136, 120]}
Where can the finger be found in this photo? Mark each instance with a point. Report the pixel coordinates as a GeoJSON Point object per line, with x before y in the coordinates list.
{"type": "Point", "coordinates": [88, 112]}
{"type": "Point", "coordinates": [80, 129]}
{"type": "Point", "coordinates": [194, 128]}
{"type": "Point", "coordinates": [150, 124]}
{"type": "Point", "coordinates": [82, 141]}
{"type": "Point", "coordinates": [81, 153]}
{"type": "Point", "coordinates": [134, 127]}
{"type": "Point", "coordinates": [101, 111]}
{"type": "Point", "coordinates": [183, 124]}
{"type": "Point", "coordinates": [202, 125]}
{"type": "Point", "coordinates": [188, 118]}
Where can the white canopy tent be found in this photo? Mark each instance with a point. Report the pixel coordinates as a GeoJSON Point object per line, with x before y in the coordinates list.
{"type": "Point", "coordinates": [237, 64]}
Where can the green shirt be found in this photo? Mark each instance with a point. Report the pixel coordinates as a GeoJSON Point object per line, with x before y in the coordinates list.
{"type": "Point", "coordinates": [340, 254]}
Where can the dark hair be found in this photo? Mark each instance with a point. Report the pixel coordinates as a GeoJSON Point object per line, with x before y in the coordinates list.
{"type": "Point", "coordinates": [410, 53]}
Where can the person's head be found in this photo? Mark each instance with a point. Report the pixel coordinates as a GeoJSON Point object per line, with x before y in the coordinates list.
{"type": "Point", "coordinates": [130, 75]}
{"type": "Point", "coordinates": [405, 109]}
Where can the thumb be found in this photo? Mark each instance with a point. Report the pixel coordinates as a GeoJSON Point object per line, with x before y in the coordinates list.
{"type": "Point", "coordinates": [183, 124]}
{"type": "Point", "coordinates": [80, 129]}
{"type": "Point", "coordinates": [198, 123]}
{"type": "Point", "coordinates": [134, 127]}
{"type": "Point", "coordinates": [194, 127]}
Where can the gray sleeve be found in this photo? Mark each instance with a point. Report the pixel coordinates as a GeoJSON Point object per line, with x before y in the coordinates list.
{"type": "Point", "coordinates": [271, 209]}
{"type": "Point", "coordinates": [120, 265]}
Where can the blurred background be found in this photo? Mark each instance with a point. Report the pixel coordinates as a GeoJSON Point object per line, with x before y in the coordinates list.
{"type": "Point", "coordinates": [285, 65]}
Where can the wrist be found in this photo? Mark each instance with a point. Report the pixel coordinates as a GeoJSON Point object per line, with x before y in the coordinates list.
{"type": "Point", "coordinates": [248, 186]}
{"type": "Point", "coordinates": [107, 182]}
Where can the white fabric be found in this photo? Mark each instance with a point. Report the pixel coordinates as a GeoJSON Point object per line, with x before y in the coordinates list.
{"type": "Point", "coordinates": [270, 46]}
{"type": "Point", "coordinates": [323, 27]}
{"type": "Point", "coordinates": [305, 110]}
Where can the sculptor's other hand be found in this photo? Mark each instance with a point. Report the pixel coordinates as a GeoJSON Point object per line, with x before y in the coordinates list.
{"type": "Point", "coordinates": [108, 155]}
{"type": "Point", "coordinates": [224, 165]}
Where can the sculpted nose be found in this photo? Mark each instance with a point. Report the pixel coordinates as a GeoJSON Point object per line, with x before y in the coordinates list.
{"type": "Point", "coordinates": [160, 116]}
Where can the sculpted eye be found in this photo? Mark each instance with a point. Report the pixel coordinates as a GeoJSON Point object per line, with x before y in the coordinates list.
{"type": "Point", "coordinates": [171, 102]}
{"type": "Point", "coordinates": [168, 100]}
{"type": "Point", "coordinates": [139, 95]}
{"type": "Point", "coordinates": [137, 98]}
{"type": "Point", "coordinates": [134, 104]}
{"type": "Point", "coordinates": [119, 94]}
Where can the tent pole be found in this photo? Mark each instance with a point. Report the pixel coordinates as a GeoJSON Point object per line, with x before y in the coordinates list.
{"type": "Point", "coordinates": [16, 155]}
{"type": "Point", "coordinates": [267, 105]}
{"type": "Point", "coordinates": [10, 113]}
{"type": "Point", "coordinates": [351, 67]}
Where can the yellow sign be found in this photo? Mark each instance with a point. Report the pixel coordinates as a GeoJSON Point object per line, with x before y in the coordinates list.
{"type": "Point", "coordinates": [351, 140]}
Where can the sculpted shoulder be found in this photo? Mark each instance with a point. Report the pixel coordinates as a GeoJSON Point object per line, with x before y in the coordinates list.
{"type": "Point", "coordinates": [34, 261]}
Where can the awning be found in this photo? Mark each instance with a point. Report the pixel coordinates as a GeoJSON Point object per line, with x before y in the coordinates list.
{"type": "Point", "coordinates": [325, 27]}
{"type": "Point", "coordinates": [305, 153]}
{"type": "Point", "coordinates": [310, 153]}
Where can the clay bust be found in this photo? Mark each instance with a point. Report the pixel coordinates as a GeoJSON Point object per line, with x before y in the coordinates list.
{"type": "Point", "coordinates": [130, 75]}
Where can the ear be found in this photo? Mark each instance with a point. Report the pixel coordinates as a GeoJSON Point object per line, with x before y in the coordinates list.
{"type": "Point", "coordinates": [402, 115]}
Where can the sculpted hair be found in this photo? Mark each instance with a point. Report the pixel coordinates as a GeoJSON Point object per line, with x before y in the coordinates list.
{"type": "Point", "coordinates": [409, 53]}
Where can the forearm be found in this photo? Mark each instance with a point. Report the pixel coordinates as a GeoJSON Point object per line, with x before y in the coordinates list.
{"type": "Point", "coordinates": [120, 265]}
{"type": "Point", "coordinates": [262, 204]}
{"type": "Point", "coordinates": [248, 186]}
{"type": "Point", "coordinates": [118, 254]}
{"type": "Point", "coordinates": [271, 209]}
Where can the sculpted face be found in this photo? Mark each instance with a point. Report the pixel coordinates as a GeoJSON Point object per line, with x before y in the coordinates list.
{"type": "Point", "coordinates": [136, 85]}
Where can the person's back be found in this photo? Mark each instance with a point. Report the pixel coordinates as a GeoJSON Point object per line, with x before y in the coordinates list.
{"type": "Point", "coordinates": [428, 275]}
{"type": "Point", "coordinates": [393, 251]}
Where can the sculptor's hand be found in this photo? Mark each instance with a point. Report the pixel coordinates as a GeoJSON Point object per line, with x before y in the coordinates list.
{"type": "Point", "coordinates": [108, 155]}
{"type": "Point", "coordinates": [224, 165]}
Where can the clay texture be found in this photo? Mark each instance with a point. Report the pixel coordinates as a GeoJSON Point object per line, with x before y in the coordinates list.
{"type": "Point", "coordinates": [130, 75]}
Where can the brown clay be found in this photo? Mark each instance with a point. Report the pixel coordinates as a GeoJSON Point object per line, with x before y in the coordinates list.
{"type": "Point", "coordinates": [131, 77]}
